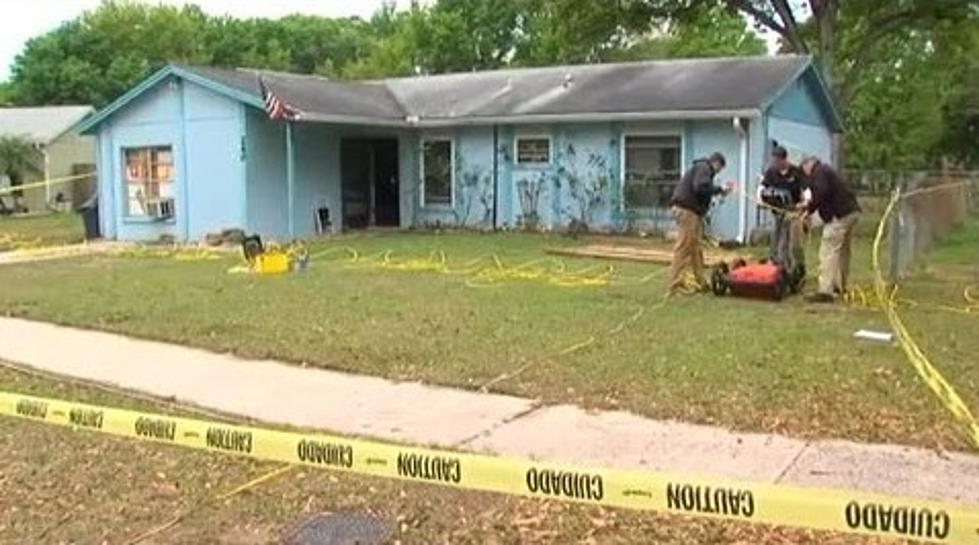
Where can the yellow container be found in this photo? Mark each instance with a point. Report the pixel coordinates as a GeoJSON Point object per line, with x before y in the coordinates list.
{"type": "Point", "coordinates": [271, 263]}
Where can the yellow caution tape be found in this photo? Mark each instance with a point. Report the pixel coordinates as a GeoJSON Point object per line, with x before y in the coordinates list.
{"type": "Point", "coordinates": [942, 389]}
{"type": "Point", "coordinates": [721, 498]}
{"type": "Point", "coordinates": [42, 183]}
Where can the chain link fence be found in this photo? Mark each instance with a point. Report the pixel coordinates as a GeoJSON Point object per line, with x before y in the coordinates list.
{"type": "Point", "coordinates": [933, 203]}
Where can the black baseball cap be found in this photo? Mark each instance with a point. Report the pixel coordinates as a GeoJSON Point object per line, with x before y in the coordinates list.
{"type": "Point", "coordinates": [717, 157]}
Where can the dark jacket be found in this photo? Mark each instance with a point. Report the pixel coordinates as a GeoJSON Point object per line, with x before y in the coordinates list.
{"type": "Point", "coordinates": [831, 196]}
{"type": "Point", "coordinates": [792, 181]}
{"type": "Point", "coordinates": [696, 189]}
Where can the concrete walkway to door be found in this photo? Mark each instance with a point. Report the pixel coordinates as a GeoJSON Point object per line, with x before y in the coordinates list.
{"type": "Point", "coordinates": [408, 412]}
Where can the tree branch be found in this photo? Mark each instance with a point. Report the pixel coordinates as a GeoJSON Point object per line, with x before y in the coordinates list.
{"type": "Point", "coordinates": [791, 26]}
{"type": "Point", "coordinates": [759, 15]}
{"type": "Point", "coordinates": [786, 28]}
{"type": "Point", "coordinates": [869, 40]}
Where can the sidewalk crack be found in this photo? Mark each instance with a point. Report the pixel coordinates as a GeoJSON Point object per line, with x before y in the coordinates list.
{"type": "Point", "coordinates": [535, 406]}
{"type": "Point", "coordinates": [792, 462]}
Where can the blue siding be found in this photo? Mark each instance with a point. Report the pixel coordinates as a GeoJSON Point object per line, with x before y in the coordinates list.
{"type": "Point", "coordinates": [204, 131]}
{"type": "Point", "coordinates": [706, 138]}
{"type": "Point", "coordinates": [317, 175]}
{"type": "Point", "coordinates": [152, 120]}
{"type": "Point", "coordinates": [213, 139]}
{"type": "Point", "coordinates": [801, 139]}
{"type": "Point", "coordinates": [802, 102]}
{"type": "Point", "coordinates": [409, 145]}
{"type": "Point", "coordinates": [107, 197]}
{"type": "Point", "coordinates": [589, 153]}
{"type": "Point", "coordinates": [472, 179]}
{"type": "Point", "coordinates": [758, 152]}
{"type": "Point", "coordinates": [266, 175]}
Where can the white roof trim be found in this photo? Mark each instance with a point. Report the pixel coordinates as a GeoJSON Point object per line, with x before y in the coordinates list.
{"type": "Point", "coordinates": [585, 117]}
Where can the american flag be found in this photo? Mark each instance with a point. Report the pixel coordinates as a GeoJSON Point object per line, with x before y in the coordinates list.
{"type": "Point", "coordinates": [275, 107]}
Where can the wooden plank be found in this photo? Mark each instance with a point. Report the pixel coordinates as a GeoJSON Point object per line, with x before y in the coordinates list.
{"type": "Point", "coordinates": [644, 254]}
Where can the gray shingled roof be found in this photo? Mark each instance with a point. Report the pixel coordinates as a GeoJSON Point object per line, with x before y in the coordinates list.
{"type": "Point", "coordinates": [701, 85]}
{"type": "Point", "coordinates": [663, 86]}
{"type": "Point", "coordinates": [40, 125]}
{"type": "Point", "coordinates": [312, 94]}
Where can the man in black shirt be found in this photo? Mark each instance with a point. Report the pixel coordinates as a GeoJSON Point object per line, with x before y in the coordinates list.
{"type": "Point", "coordinates": [837, 207]}
{"type": "Point", "coordinates": [781, 189]}
{"type": "Point", "coordinates": [691, 201]}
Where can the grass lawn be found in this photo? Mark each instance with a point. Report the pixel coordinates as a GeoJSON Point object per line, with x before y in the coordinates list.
{"type": "Point", "coordinates": [47, 229]}
{"type": "Point", "coordinates": [98, 489]}
{"type": "Point", "coordinates": [790, 367]}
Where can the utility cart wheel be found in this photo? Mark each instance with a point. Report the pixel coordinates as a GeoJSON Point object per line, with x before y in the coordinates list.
{"type": "Point", "coordinates": [718, 279]}
{"type": "Point", "coordinates": [798, 279]}
{"type": "Point", "coordinates": [782, 286]}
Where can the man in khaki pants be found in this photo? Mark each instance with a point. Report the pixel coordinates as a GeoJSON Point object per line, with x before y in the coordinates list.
{"type": "Point", "coordinates": [691, 201]}
{"type": "Point", "coordinates": [837, 207]}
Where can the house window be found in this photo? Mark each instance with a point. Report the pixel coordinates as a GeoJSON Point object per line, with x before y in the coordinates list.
{"type": "Point", "coordinates": [533, 150]}
{"type": "Point", "coordinates": [437, 172]}
{"type": "Point", "coordinates": [149, 181]}
{"type": "Point", "coordinates": [652, 170]}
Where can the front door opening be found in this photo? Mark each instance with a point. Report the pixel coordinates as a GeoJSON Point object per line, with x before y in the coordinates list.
{"type": "Point", "coordinates": [369, 172]}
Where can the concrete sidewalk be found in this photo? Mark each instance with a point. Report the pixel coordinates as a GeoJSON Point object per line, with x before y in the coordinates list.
{"type": "Point", "coordinates": [409, 412]}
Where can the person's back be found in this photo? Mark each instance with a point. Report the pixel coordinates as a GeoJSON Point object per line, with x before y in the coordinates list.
{"type": "Point", "coordinates": [837, 206]}
{"type": "Point", "coordinates": [696, 188]}
{"type": "Point", "coordinates": [832, 197]}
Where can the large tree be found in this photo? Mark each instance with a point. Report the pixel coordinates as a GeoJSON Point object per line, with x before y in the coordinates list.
{"type": "Point", "coordinates": [876, 55]}
{"type": "Point", "coordinates": [813, 27]}
{"type": "Point", "coordinates": [104, 52]}
{"type": "Point", "coordinates": [462, 35]}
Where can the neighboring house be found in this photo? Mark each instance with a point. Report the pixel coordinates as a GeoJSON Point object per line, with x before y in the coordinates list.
{"type": "Point", "coordinates": [191, 151]}
{"type": "Point", "coordinates": [62, 151]}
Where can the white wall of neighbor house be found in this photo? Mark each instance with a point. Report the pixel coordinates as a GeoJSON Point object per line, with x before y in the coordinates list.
{"type": "Point", "coordinates": [65, 156]}
{"type": "Point", "coordinates": [70, 154]}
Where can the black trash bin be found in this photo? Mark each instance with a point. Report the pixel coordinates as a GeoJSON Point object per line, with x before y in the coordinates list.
{"type": "Point", "coordinates": [90, 218]}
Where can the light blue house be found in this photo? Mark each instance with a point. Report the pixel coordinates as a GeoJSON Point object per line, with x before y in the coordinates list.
{"type": "Point", "coordinates": [191, 151]}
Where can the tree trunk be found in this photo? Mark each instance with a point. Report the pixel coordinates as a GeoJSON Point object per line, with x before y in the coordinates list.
{"type": "Point", "coordinates": [826, 12]}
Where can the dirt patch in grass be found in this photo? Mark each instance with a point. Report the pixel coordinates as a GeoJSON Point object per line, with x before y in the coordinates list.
{"type": "Point", "coordinates": [64, 486]}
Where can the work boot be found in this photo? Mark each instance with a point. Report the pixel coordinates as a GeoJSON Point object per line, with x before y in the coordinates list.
{"type": "Point", "coordinates": [820, 297]}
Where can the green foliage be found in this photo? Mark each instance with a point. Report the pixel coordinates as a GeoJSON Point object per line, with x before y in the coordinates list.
{"type": "Point", "coordinates": [908, 93]}
{"type": "Point", "coordinates": [104, 52]}
{"type": "Point", "coordinates": [6, 93]}
{"type": "Point", "coordinates": [18, 159]}
{"type": "Point", "coordinates": [713, 31]}
{"type": "Point", "coordinates": [904, 73]}
{"type": "Point", "coordinates": [463, 35]}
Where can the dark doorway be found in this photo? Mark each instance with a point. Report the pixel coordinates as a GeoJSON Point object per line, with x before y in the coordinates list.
{"type": "Point", "coordinates": [369, 173]}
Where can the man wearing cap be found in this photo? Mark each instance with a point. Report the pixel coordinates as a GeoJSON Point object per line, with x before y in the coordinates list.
{"type": "Point", "coordinates": [691, 202]}
{"type": "Point", "coordinates": [782, 188]}
{"type": "Point", "coordinates": [836, 203]}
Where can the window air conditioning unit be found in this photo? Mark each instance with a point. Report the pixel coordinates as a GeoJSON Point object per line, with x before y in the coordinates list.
{"type": "Point", "coordinates": [160, 208]}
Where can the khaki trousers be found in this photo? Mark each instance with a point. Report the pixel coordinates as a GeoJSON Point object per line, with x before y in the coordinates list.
{"type": "Point", "coordinates": [834, 253]}
{"type": "Point", "coordinates": [687, 253]}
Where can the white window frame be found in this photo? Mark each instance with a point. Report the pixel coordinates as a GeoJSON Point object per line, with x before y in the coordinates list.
{"type": "Point", "coordinates": [640, 133]}
{"type": "Point", "coordinates": [533, 136]}
{"type": "Point", "coordinates": [127, 204]}
{"type": "Point", "coordinates": [452, 172]}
